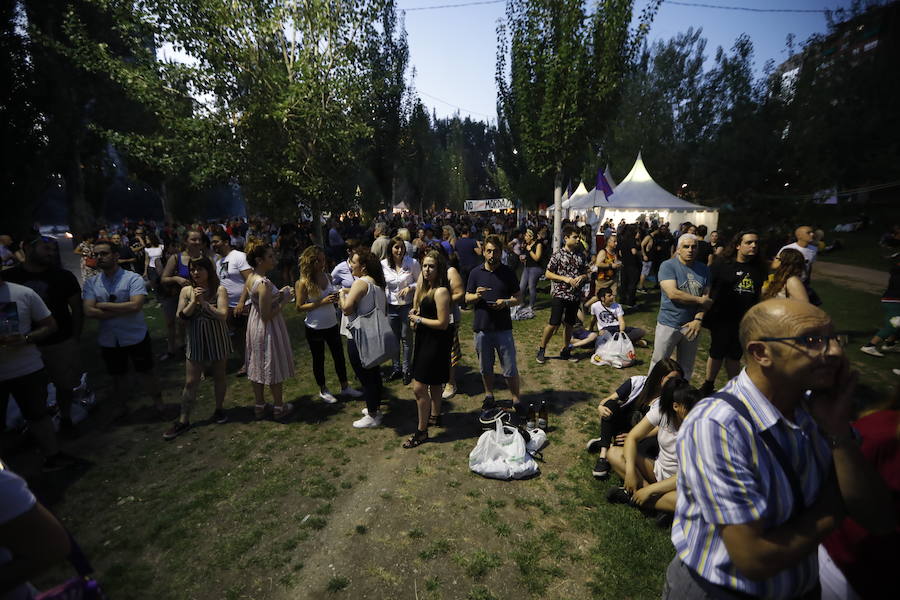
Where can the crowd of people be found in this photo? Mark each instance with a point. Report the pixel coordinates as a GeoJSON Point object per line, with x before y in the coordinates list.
{"type": "Point", "coordinates": [751, 479]}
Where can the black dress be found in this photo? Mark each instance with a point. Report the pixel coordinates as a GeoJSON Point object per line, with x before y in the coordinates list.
{"type": "Point", "coordinates": [431, 353]}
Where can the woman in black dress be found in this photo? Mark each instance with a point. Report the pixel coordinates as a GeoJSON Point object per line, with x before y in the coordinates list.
{"type": "Point", "coordinates": [430, 316]}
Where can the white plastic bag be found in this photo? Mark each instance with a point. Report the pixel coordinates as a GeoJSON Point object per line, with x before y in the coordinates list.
{"type": "Point", "coordinates": [538, 440]}
{"type": "Point", "coordinates": [501, 454]}
{"type": "Point", "coordinates": [617, 351]}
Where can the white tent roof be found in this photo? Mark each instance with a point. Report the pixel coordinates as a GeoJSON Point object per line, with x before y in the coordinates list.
{"type": "Point", "coordinates": [589, 199]}
{"type": "Point", "coordinates": [579, 193]}
{"type": "Point", "coordinates": [638, 190]}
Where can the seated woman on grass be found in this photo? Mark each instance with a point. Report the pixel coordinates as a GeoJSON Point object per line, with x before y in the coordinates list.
{"type": "Point", "coordinates": [650, 484]}
{"type": "Point", "coordinates": [624, 408]}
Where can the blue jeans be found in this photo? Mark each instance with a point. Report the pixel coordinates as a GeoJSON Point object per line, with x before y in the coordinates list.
{"type": "Point", "coordinates": [501, 342]}
{"type": "Point", "coordinates": [530, 276]}
{"type": "Point", "coordinates": [398, 317]}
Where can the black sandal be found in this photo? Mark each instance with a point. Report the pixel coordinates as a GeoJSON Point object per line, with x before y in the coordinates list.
{"type": "Point", "coordinates": [416, 439]}
{"type": "Point", "coordinates": [435, 421]}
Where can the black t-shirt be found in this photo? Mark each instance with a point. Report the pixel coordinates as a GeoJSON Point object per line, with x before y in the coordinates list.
{"type": "Point", "coordinates": [55, 286]}
{"type": "Point", "coordinates": [629, 258]}
{"type": "Point", "coordinates": [465, 251]}
{"type": "Point", "coordinates": [704, 250]}
{"type": "Point", "coordinates": [530, 262]}
{"type": "Point", "coordinates": [734, 288]}
{"type": "Point", "coordinates": [662, 247]}
{"type": "Point", "coordinates": [125, 253]}
{"type": "Point", "coordinates": [503, 283]}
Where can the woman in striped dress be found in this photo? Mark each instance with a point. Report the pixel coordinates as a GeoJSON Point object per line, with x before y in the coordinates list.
{"type": "Point", "coordinates": [203, 306]}
{"type": "Point", "coordinates": [270, 359]}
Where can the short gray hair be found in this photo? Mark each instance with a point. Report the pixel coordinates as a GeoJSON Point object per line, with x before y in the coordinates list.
{"type": "Point", "coordinates": [687, 236]}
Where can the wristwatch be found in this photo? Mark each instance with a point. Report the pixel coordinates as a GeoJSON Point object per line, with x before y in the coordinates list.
{"type": "Point", "coordinates": [418, 320]}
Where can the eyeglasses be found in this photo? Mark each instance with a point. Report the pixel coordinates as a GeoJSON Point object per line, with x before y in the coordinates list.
{"type": "Point", "coordinates": [816, 343]}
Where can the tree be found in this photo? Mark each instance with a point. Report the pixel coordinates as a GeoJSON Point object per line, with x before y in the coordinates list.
{"type": "Point", "coordinates": [556, 66]}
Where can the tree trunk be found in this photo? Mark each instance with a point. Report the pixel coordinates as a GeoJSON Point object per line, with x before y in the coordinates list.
{"type": "Point", "coordinates": [316, 210]}
{"type": "Point", "coordinates": [81, 215]}
{"type": "Point", "coordinates": [557, 210]}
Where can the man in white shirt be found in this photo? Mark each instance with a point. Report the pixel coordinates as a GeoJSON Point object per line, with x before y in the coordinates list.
{"type": "Point", "coordinates": [24, 321]}
{"type": "Point", "coordinates": [233, 270]}
{"type": "Point", "coordinates": [806, 245]}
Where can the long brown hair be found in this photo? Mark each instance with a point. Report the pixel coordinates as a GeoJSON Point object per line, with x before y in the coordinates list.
{"type": "Point", "coordinates": [396, 241]}
{"type": "Point", "coordinates": [371, 264]}
{"type": "Point", "coordinates": [793, 264]}
{"type": "Point", "coordinates": [424, 289]}
{"type": "Point", "coordinates": [308, 276]}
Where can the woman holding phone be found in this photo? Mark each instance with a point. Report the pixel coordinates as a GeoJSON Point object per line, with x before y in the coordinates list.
{"type": "Point", "coordinates": [317, 297]}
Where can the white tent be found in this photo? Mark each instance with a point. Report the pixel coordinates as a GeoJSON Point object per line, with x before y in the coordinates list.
{"type": "Point", "coordinates": [639, 195]}
{"type": "Point", "coordinates": [579, 193]}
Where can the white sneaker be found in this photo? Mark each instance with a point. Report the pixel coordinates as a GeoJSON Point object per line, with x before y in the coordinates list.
{"type": "Point", "coordinates": [871, 351]}
{"type": "Point", "coordinates": [895, 321]}
{"type": "Point", "coordinates": [327, 397]}
{"type": "Point", "coordinates": [895, 371]}
{"type": "Point", "coordinates": [350, 392]}
{"type": "Point", "coordinates": [368, 422]}
{"type": "Point", "coordinates": [895, 347]}
{"type": "Point", "coordinates": [449, 391]}
{"type": "Point", "coordinates": [365, 411]}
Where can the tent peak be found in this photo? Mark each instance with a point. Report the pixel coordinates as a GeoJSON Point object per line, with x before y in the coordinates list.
{"type": "Point", "coordinates": [638, 172]}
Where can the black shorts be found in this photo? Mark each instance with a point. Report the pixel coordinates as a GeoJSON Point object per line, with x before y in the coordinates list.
{"type": "Point", "coordinates": [563, 311]}
{"type": "Point", "coordinates": [116, 358]}
{"type": "Point", "coordinates": [30, 392]}
{"type": "Point", "coordinates": [725, 342]}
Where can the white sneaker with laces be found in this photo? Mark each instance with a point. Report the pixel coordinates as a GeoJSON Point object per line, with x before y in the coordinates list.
{"type": "Point", "coordinates": [895, 347]}
{"type": "Point", "coordinates": [327, 397]}
{"type": "Point", "coordinates": [351, 393]}
{"type": "Point", "coordinates": [368, 422]}
{"type": "Point", "coordinates": [871, 351]}
{"type": "Point", "coordinates": [449, 391]}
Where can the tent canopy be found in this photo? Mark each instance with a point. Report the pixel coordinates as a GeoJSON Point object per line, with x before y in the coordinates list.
{"type": "Point", "coordinates": [638, 190]}
{"type": "Point", "coordinates": [579, 193]}
{"type": "Point", "coordinates": [639, 194]}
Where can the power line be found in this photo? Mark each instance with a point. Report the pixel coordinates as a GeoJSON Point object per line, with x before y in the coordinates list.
{"type": "Point", "coordinates": [748, 9]}
{"type": "Point", "coordinates": [474, 112]}
{"type": "Point", "coordinates": [675, 2]}
{"type": "Point", "coordinates": [453, 5]}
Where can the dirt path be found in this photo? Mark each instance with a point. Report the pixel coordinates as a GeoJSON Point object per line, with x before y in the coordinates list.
{"type": "Point", "coordinates": [860, 278]}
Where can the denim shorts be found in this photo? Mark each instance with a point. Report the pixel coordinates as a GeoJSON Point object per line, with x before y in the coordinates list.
{"type": "Point", "coordinates": [486, 342]}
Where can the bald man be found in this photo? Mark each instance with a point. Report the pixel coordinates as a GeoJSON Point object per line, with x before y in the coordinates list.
{"type": "Point", "coordinates": [765, 475]}
{"type": "Point", "coordinates": [806, 245]}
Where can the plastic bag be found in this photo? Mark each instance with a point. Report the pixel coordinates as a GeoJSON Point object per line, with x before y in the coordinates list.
{"type": "Point", "coordinates": [501, 454]}
{"type": "Point", "coordinates": [537, 442]}
{"type": "Point", "coordinates": [616, 351]}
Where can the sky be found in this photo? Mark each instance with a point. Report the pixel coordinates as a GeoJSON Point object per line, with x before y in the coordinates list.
{"type": "Point", "coordinates": [453, 50]}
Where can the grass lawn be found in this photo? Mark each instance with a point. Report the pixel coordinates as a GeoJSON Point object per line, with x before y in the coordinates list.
{"type": "Point", "coordinates": [313, 508]}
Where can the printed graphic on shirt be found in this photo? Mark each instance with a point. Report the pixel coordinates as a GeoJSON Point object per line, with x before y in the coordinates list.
{"type": "Point", "coordinates": [744, 283]}
{"type": "Point", "coordinates": [691, 285]}
{"type": "Point", "coordinates": [9, 318]}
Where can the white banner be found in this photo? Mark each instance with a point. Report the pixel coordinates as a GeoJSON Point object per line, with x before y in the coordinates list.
{"type": "Point", "coordinates": [490, 204]}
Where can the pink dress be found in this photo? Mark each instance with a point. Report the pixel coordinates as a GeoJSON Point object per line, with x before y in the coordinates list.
{"type": "Point", "coordinates": [269, 356]}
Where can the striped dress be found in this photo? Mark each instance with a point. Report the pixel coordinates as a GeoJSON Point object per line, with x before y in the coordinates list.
{"type": "Point", "coordinates": [206, 336]}
{"type": "Point", "coordinates": [270, 359]}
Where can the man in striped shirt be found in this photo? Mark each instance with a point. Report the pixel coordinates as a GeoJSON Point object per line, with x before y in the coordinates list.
{"type": "Point", "coordinates": [755, 497]}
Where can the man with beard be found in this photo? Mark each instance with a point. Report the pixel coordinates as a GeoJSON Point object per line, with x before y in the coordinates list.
{"type": "Point", "coordinates": [735, 283]}
{"type": "Point", "coordinates": [59, 290]}
{"type": "Point", "coordinates": [494, 288]}
{"type": "Point", "coordinates": [769, 466]}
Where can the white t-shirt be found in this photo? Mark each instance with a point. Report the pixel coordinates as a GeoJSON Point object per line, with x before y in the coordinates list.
{"type": "Point", "coordinates": [153, 254]}
{"type": "Point", "coordinates": [325, 316]}
{"type": "Point", "coordinates": [809, 253]}
{"type": "Point", "coordinates": [607, 316]}
{"type": "Point", "coordinates": [15, 500]}
{"type": "Point", "coordinates": [229, 271]}
{"type": "Point", "coordinates": [20, 307]}
{"type": "Point", "coordinates": [667, 462]}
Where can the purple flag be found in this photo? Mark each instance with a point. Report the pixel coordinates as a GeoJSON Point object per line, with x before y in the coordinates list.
{"type": "Point", "coordinates": [603, 184]}
{"type": "Point", "coordinates": [569, 189]}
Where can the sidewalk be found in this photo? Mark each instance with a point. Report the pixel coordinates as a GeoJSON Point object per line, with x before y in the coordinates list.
{"type": "Point", "coordinates": [859, 278]}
